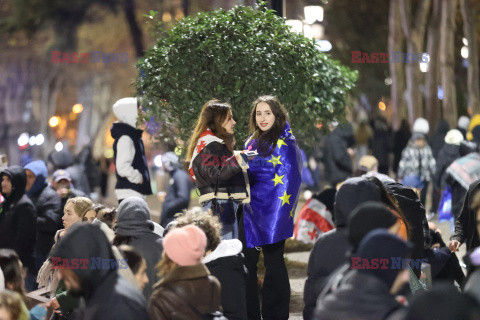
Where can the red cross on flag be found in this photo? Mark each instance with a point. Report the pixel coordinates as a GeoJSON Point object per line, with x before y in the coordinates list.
{"type": "Point", "coordinates": [314, 219]}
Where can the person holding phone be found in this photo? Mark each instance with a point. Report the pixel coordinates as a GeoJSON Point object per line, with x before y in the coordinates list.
{"type": "Point", "coordinates": [275, 178]}
{"type": "Point", "coordinates": [220, 173]}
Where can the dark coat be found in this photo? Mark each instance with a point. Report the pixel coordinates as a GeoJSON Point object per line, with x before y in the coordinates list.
{"type": "Point", "coordinates": [338, 164]}
{"type": "Point", "coordinates": [458, 195]}
{"type": "Point", "coordinates": [381, 145]}
{"type": "Point", "coordinates": [215, 160]}
{"type": "Point", "coordinates": [400, 141]}
{"type": "Point", "coordinates": [330, 250]}
{"type": "Point", "coordinates": [230, 272]}
{"type": "Point", "coordinates": [195, 284]}
{"type": "Point", "coordinates": [178, 196]}
{"type": "Point", "coordinates": [465, 224]}
{"type": "Point", "coordinates": [448, 154]}
{"type": "Point", "coordinates": [437, 141]}
{"type": "Point", "coordinates": [359, 297]}
{"type": "Point", "coordinates": [49, 218]}
{"type": "Point", "coordinates": [18, 218]}
{"type": "Point", "coordinates": [107, 295]}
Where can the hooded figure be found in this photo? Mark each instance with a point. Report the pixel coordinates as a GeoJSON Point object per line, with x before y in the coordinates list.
{"type": "Point", "coordinates": [18, 217]}
{"type": "Point", "coordinates": [438, 139]}
{"type": "Point", "coordinates": [49, 210]}
{"type": "Point", "coordinates": [107, 295]}
{"type": "Point", "coordinates": [338, 164]}
{"type": "Point", "coordinates": [367, 293]}
{"type": "Point", "coordinates": [449, 153]}
{"type": "Point", "coordinates": [133, 178]}
{"type": "Point", "coordinates": [178, 195]}
{"type": "Point", "coordinates": [329, 252]}
{"type": "Point", "coordinates": [134, 228]}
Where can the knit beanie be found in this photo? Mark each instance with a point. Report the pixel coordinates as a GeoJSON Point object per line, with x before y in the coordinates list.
{"type": "Point", "coordinates": [185, 246]}
{"type": "Point", "coordinates": [380, 244]}
{"type": "Point", "coordinates": [421, 125]}
{"type": "Point", "coordinates": [366, 217]}
{"type": "Point", "coordinates": [463, 122]}
{"type": "Point", "coordinates": [454, 137]}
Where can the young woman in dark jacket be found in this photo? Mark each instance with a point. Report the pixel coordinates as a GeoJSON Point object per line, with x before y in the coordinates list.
{"type": "Point", "coordinates": [220, 175]}
{"type": "Point", "coordinates": [187, 290]}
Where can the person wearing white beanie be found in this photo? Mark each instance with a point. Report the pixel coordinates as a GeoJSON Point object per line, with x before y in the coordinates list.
{"type": "Point", "coordinates": [131, 169]}
{"type": "Point", "coordinates": [421, 126]}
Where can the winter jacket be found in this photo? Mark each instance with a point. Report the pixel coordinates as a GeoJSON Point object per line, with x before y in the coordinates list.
{"type": "Point", "coordinates": [18, 218]}
{"type": "Point", "coordinates": [330, 250]}
{"type": "Point", "coordinates": [458, 195]}
{"type": "Point", "coordinates": [381, 145]}
{"type": "Point", "coordinates": [359, 297]}
{"type": "Point", "coordinates": [437, 141]}
{"type": "Point", "coordinates": [446, 156]}
{"type": "Point", "coordinates": [417, 162]}
{"type": "Point", "coordinates": [107, 295]}
{"type": "Point", "coordinates": [194, 285]}
{"type": "Point", "coordinates": [465, 225]}
{"type": "Point", "coordinates": [338, 164]}
{"type": "Point", "coordinates": [178, 196]}
{"type": "Point", "coordinates": [400, 141]}
{"type": "Point", "coordinates": [48, 205]}
{"type": "Point", "coordinates": [65, 160]}
{"type": "Point", "coordinates": [134, 221]}
{"type": "Point", "coordinates": [216, 161]}
{"type": "Point", "coordinates": [226, 264]}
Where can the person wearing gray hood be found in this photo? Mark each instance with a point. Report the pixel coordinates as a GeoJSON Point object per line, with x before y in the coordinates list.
{"type": "Point", "coordinates": [135, 228]}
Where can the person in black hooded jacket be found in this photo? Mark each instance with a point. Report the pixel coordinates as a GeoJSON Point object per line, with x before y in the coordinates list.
{"type": "Point", "coordinates": [18, 219]}
{"type": "Point", "coordinates": [336, 157]}
{"type": "Point", "coordinates": [329, 252]}
{"type": "Point", "coordinates": [107, 295]}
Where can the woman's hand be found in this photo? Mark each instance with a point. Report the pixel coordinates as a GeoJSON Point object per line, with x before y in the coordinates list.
{"type": "Point", "coordinates": [454, 245]}
{"type": "Point", "coordinates": [53, 304]}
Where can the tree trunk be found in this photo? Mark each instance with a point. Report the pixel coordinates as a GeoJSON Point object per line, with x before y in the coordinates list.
{"type": "Point", "coordinates": [447, 61]}
{"type": "Point", "coordinates": [135, 31]}
{"type": "Point", "coordinates": [469, 16]}
{"type": "Point", "coordinates": [414, 34]}
{"type": "Point", "coordinates": [433, 110]}
{"type": "Point", "coordinates": [395, 40]}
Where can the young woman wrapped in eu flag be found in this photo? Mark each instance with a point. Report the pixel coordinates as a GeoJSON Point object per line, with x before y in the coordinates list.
{"type": "Point", "coordinates": [275, 177]}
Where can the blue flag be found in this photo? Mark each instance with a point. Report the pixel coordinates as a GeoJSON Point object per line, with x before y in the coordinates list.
{"type": "Point", "coordinates": [274, 186]}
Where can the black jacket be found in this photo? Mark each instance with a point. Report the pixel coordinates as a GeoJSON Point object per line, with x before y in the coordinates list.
{"type": "Point", "coordinates": [458, 195]}
{"type": "Point", "coordinates": [381, 145]}
{"type": "Point", "coordinates": [465, 224]}
{"type": "Point", "coordinates": [437, 141]}
{"type": "Point", "coordinates": [216, 163]}
{"type": "Point", "coordinates": [49, 218]}
{"type": "Point", "coordinates": [446, 156]}
{"type": "Point", "coordinates": [230, 272]}
{"type": "Point", "coordinates": [338, 164]}
{"type": "Point", "coordinates": [400, 141]}
{"type": "Point", "coordinates": [330, 250]}
{"type": "Point", "coordinates": [359, 297]}
{"type": "Point", "coordinates": [178, 196]}
{"type": "Point", "coordinates": [18, 218]}
{"type": "Point", "coordinates": [107, 295]}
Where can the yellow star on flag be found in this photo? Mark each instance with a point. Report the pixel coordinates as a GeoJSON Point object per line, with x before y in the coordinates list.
{"type": "Point", "coordinates": [275, 160]}
{"type": "Point", "coordinates": [291, 213]}
{"type": "Point", "coordinates": [278, 179]}
{"type": "Point", "coordinates": [280, 143]}
{"type": "Point", "coordinates": [290, 131]}
{"type": "Point", "coordinates": [285, 198]}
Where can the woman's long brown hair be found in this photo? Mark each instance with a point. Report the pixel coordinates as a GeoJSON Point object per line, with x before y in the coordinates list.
{"type": "Point", "coordinates": [267, 140]}
{"type": "Point", "coordinates": [212, 116]}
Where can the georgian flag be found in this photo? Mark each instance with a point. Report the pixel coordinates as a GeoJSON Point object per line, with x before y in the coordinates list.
{"type": "Point", "coordinates": [205, 138]}
{"type": "Point", "coordinates": [314, 219]}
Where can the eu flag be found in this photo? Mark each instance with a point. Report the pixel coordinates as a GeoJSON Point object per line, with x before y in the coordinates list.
{"type": "Point", "coordinates": [274, 186]}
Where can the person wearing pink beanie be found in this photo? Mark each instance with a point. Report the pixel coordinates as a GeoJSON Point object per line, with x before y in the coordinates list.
{"type": "Point", "coordinates": [187, 290]}
{"type": "Point", "coordinates": [185, 246]}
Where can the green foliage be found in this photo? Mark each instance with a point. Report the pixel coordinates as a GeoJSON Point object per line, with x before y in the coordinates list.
{"type": "Point", "coordinates": [236, 56]}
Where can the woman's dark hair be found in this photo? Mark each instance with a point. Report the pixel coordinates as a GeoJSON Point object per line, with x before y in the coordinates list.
{"type": "Point", "coordinates": [134, 259]}
{"type": "Point", "coordinates": [213, 115]}
{"type": "Point", "coordinates": [267, 140]}
{"type": "Point", "coordinates": [107, 216]}
{"type": "Point", "coordinates": [96, 208]}
{"type": "Point", "coordinates": [391, 202]}
{"type": "Point", "coordinates": [121, 239]}
{"type": "Point", "coordinates": [12, 271]}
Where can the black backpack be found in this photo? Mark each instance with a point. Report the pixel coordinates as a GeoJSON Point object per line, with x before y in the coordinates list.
{"type": "Point", "coordinates": [215, 315]}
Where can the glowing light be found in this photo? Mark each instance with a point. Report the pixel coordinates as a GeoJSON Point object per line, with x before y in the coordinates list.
{"type": "Point", "coordinates": [382, 106]}
{"type": "Point", "coordinates": [313, 13]}
{"type": "Point", "coordinates": [40, 139]}
{"type": "Point", "coordinates": [423, 66]}
{"type": "Point", "coordinates": [464, 52]}
{"type": "Point", "coordinates": [324, 45]}
{"type": "Point", "coordinates": [297, 25]}
{"type": "Point", "coordinates": [54, 121]}
{"type": "Point", "coordinates": [59, 146]}
{"type": "Point", "coordinates": [167, 17]}
{"type": "Point", "coordinates": [158, 161]}
{"type": "Point", "coordinates": [32, 140]}
{"type": "Point", "coordinates": [108, 153]}
{"type": "Point", "coordinates": [440, 93]}
{"type": "Point", "coordinates": [23, 139]}
{"type": "Point", "coordinates": [465, 41]}
{"type": "Point", "coordinates": [78, 108]}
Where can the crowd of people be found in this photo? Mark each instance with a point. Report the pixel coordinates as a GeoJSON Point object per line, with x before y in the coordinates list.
{"type": "Point", "coordinates": [384, 258]}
